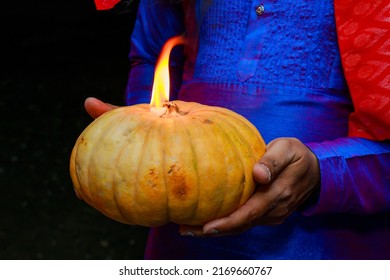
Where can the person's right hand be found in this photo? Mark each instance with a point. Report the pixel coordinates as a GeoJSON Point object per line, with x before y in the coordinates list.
{"type": "Point", "coordinates": [95, 107]}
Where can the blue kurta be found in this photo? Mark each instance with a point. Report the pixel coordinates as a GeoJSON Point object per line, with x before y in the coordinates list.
{"type": "Point", "coordinates": [282, 71]}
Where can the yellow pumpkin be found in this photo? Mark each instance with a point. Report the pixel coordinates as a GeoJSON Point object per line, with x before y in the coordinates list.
{"type": "Point", "coordinates": [150, 167]}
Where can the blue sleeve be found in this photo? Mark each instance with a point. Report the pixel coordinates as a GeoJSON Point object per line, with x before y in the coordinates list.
{"type": "Point", "coordinates": [355, 176]}
{"type": "Point", "coordinates": [156, 22]}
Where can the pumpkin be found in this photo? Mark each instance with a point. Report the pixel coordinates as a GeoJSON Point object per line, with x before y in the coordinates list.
{"type": "Point", "coordinates": [185, 163]}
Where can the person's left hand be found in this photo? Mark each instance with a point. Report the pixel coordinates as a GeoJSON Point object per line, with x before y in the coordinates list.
{"type": "Point", "coordinates": [287, 175]}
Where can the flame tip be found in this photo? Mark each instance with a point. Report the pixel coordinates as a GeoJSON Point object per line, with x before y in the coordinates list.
{"type": "Point", "coordinates": [161, 83]}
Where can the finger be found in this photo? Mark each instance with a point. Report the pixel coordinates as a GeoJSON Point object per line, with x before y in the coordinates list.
{"type": "Point", "coordinates": [229, 225]}
{"type": "Point", "coordinates": [95, 107]}
{"type": "Point", "coordinates": [241, 219]}
{"type": "Point", "coordinates": [279, 155]}
{"type": "Point", "coordinates": [187, 230]}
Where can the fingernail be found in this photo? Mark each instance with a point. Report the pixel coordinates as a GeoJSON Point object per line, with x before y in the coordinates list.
{"type": "Point", "coordinates": [266, 169]}
{"type": "Point", "coordinates": [211, 232]}
{"type": "Point", "coordinates": [187, 233]}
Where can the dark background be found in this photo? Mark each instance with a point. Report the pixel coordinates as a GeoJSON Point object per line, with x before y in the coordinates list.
{"type": "Point", "coordinates": [54, 55]}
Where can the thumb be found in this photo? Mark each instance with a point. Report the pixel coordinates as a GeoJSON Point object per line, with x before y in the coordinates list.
{"type": "Point", "coordinates": [262, 173]}
{"type": "Point", "coordinates": [278, 156]}
{"type": "Point", "coordinates": [95, 107]}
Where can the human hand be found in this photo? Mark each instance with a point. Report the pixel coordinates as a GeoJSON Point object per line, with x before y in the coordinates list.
{"type": "Point", "coordinates": [287, 174]}
{"type": "Point", "coordinates": [95, 107]}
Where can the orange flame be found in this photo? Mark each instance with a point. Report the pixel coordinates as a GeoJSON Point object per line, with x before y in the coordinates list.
{"type": "Point", "coordinates": [161, 83]}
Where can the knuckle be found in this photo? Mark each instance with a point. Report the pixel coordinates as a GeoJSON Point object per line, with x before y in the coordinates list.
{"type": "Point", "coordinates": [253, 214]}
{"type": "Point", "coordinates": [286, 194]}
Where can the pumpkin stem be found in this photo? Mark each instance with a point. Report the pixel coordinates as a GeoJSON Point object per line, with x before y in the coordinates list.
{"type": "Point", "coordinates": [169, 109]}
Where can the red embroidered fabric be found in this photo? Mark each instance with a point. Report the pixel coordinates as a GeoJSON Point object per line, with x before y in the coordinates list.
{"type": "Point", "coordinates": [364, 38]}
{"type": "Point", "coordinates": [105, 4]}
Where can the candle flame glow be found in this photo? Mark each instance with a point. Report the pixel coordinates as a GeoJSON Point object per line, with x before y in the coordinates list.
{"type": "Point", "coordinates": [161, 82]}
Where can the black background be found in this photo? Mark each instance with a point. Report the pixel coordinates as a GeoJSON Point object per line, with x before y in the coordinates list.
{"type": "Point", "coordinates": [54, 55]}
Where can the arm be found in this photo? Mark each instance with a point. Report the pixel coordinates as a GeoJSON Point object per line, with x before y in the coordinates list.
{"type": "Point", "coordinates": [156, 22]}
{"type": "Point", "coordinates": [355, 176]}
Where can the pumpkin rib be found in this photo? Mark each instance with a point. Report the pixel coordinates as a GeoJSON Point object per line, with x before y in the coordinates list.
{"type": "Point", "coordinates": [182, 180]}
{"type": "Point", "coordinates": [163, 174]}
{"type": "Point", "coordinates": [256, 154]}
{"type": "Point", "coordinates": [221, 133]}
{"type": "Point", "coordinates": [129, 117]}
{"type": "Point", "coordinates": [128, 190]}
{"type": "Point", "coordinates": [247, 177]}
{"type": "Point", "coordinates": [164, 179]}
{"type": "Point", "coordinates": [114, 184]}
{"type": "Point", "coordinates": [140, 200]}
{"type": "Point", "coordinates": [141, 157]}
{"type": "Point", "coordinates": [83, 191]}
{"type": "Point", "coordinates": [222, 123]}
{"type": "Point", "coordinates": [75, 173]}
{"type": "Point", "coordinates": [195, 160]}
{"type": "Point", "coordinates": [113, 211]}
{"type": "Point", "coordinates": [73, 168]}
{"type": "Point", "coordinates": [112, 130]}
{"type": "Point", "coordinates": [113, 181]}
{"type": "Point", "coordinates": [86, 188]}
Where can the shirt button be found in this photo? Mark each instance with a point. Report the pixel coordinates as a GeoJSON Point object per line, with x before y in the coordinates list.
{"type": "Point", "coordinates": [259, 10]}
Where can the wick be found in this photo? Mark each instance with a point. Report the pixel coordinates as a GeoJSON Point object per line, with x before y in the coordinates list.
{"type": "Point", "coordinates": [169, 109]}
